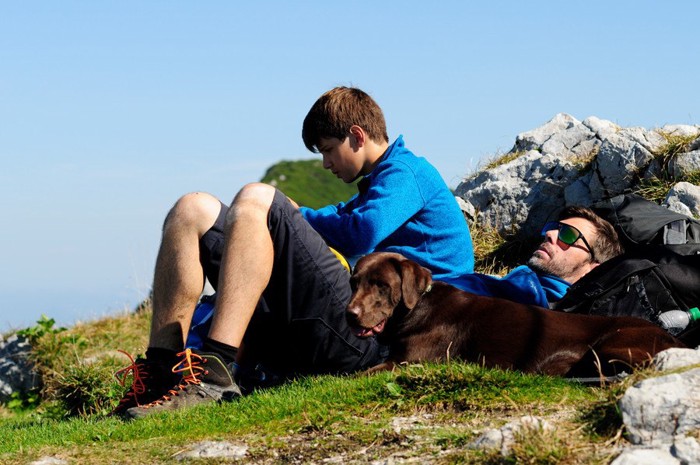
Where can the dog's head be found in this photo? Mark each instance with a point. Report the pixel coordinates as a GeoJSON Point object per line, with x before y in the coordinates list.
{"type": "Point", "coordinates": [381, 281]}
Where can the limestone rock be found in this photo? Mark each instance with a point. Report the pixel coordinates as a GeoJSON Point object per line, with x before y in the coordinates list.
{"type": "Point", "coordinates": [214, 449]}
{"type": "Point", "coordinates": [657, 409]}
{"type": "Point", "coordinates": [503, 438]}
{"type": "Point", "coordinates": [17, 373]}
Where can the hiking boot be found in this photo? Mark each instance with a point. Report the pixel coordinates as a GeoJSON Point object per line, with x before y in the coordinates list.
{"type": "Point", "coordinates": [206, 378]}
{"type": "Point", "coordinates": [150, 380]}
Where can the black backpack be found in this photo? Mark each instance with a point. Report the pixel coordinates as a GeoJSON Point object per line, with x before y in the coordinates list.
{"type": "Point", "coordinates": [659, 272]}
{"type": "Point", "coordinates": [640, 222]}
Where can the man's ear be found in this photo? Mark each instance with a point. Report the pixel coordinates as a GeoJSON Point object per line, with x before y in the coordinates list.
{"type": "Point", "coordinates": [359, 136]}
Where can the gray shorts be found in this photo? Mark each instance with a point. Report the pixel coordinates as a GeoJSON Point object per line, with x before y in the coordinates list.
{"type": "Point", "coordinates": [299, 326]}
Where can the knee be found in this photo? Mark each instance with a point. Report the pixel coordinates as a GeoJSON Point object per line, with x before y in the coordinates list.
{"type": "Point", "coordinates": [253, 202]}
{"type": "Point", "coordinates": [196, 210]}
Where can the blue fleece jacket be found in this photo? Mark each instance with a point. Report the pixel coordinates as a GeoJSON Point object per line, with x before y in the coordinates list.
{"type": "Point", "coordinates": [522, 285]}
{"type": "Point", "coordinates": [403, 206]}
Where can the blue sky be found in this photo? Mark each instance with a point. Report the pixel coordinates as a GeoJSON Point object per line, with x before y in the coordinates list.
{"type": "Point", "coordinates": [110, 110]}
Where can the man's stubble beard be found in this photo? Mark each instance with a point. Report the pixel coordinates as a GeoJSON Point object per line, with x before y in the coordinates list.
{"type": "Point", "coordinates": [557, 269]}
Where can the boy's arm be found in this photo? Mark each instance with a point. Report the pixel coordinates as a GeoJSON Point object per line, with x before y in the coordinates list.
{"type": "Point", "coordinates": [357, 227]}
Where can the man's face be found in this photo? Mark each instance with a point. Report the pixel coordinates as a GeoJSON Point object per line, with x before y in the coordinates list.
{"type": "Point", "coordinates": [341, 158]}
{"type": "Point", "coordinates": [569, 262]}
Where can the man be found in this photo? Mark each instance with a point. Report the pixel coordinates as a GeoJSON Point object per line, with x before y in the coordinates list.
{"type": "Point", "coordinates": [571, 247]}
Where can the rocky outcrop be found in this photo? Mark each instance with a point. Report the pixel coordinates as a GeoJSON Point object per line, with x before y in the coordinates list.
{"type": "Point", "coordinates": [571, 162]}
{"type": "Point", "coordinates": [661, 416]}
{"type": "Point", "coordinates": [17, 373]}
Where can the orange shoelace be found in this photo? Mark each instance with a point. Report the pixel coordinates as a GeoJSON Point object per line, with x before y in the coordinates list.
{"type": "Point", "coordinates": [191, 367]}
{"type": "Point", "coordinates": [138, 386]}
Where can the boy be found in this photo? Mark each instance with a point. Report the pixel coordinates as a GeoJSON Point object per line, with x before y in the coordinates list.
{"type": "Point", "coordinates": [281, 291]}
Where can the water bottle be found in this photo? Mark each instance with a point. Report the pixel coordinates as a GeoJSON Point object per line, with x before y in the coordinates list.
{"type": "Point", "coordinates": [675, 321]}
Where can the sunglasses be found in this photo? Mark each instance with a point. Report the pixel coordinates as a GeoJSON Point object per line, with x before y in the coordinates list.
{"type": "Point", "coordinates": [567, 234]}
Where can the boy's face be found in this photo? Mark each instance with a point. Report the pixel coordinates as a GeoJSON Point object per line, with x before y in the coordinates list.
{"type": "Point", "coordinates": [342, 158]}
{"type": "Point", "coordinates": [569, 262]}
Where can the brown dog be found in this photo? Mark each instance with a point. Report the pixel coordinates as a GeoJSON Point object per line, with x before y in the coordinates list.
{"type": "Point", "coordinates": [422, 320]}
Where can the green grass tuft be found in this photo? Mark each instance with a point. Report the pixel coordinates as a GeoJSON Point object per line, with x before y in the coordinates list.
{"type": "Point", "coordinates": [502, 159]}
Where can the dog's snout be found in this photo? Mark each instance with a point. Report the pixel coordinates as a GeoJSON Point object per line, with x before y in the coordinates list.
{"type": "Point", "coordinates": [352, 314]}
{"type": "Point", "coordinates": [353, 311]}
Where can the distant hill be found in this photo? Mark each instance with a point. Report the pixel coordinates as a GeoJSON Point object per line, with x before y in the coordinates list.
{"type": "Point", "coordinates": [308, 183]}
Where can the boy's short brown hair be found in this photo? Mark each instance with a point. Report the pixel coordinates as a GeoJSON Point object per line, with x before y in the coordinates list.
{"type": "Point", "coordinates": [336, 111]}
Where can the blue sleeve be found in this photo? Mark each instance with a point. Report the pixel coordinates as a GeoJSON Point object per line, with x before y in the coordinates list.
{"type": "Point", "coordinates": [356, 228]}
{"type": "Point", "coordinates": [520, 285]}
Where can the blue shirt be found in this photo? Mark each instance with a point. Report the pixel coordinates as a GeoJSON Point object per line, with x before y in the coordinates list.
{"type": "Point", "coordinates": [403, 206]}
{"type": "Point", "coordinates": [522, 285]}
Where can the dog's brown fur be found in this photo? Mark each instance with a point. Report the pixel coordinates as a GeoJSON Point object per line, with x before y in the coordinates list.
{"type": "Point", "coordinates": [430, 321]}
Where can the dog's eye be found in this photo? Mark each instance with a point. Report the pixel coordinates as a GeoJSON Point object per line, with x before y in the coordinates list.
{"type": "Point", "coordinates": [378, 284]}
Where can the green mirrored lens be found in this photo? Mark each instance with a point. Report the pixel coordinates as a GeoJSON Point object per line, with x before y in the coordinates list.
{"type": "Point", "coordinates": [567, 234]}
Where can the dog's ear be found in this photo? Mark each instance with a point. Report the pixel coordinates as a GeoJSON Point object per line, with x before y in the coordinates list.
{"type": "Point", "coordinates": [414, 281]}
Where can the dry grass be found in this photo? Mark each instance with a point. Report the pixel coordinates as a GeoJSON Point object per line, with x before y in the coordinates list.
{"type": "Point", "coordinates": [501, 159]}
{"type": "Point", "coordinates": [77, 364]}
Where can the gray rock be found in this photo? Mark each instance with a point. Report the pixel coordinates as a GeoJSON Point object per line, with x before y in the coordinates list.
{"type": "Point", "coordinates": [638, 456]}
{"type": "Point", "coordinates": [672, 359]}
{"type": "Point", "coordinates": [503, 438]}
{"type": "Point", "coordinates": [683, 130]}
{"type": "Point", "coordinates": [684, 198]}
{"type": "Point", "coordinates": [618, 160]}
{"type": "Point", "coordinates": [684, 163]}
{"type": "Point", "coordinates": [535, 139]}
{"type": "Point", "coordinates": [17, 372]}
{"type": "Point", "coordinates": [579, 191]}
{"type": "Point", "coordinates": [601, 128]}
{"type": "Point", "coordinates": [49, 461]}
{"type": "Point", "coordinates": [657, 409]}
{"type": "Point", "coordinates": [686, 449]}
{"type": "Point", "coordinates": [467, 208]}
{"type": "Point", "coordinates": [650, 140]}
{"type": "Point", "coordinates": [214, 449]}
{"type": "Point", "coordinates": [573, 143]}
{"type": "Point", "coordinates": [568, 162]}
{"type": "Point", "coordinates": [521, 194]}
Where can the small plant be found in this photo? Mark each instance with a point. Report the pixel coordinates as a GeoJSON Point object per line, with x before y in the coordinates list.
{"type": "Point", "coordinates": [43, 326]}
{"type": "Point", "coordinates": [500, 160]}
{"type": "Point", "coordinates": [486, 240]}
{"type": "Point", "coordinates": [87, 389]}
{"type": "Point", "coordinates": [584, 163]}
{"type": "Point", "coordinates": [674, 146]}
{"type": "Point", "coordinates": [654, 189]}
{"type": "Point", "coordinates": [21, 401]}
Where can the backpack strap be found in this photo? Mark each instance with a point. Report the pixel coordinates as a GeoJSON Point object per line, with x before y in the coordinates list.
{"type": "Point", "coordinates": [606, 276]}
{"type": "Point", "coordinates": [675, 232]}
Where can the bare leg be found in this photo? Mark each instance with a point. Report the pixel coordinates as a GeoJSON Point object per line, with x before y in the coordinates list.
{"type": "Point", "coordinates": [246, 264]}
{"type": "Point", "coordinates": [179, 278]}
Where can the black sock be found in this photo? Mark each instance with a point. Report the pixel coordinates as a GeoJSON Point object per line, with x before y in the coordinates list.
{"type": "Point", "coordinates": [227, 352]}
{"type": "Point", "coordinates": [165, 357]}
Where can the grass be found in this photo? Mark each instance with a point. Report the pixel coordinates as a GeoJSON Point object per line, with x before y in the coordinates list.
{"type": "Point", "coordinates": [308, 420]}
{"type": "Point", "coordinates": [351, 416]}
{"type": "Point", "coordinates": [350, 419]}
{"type": "Point", "coordinates": [502, 159]}
{"type": "Point", "coordinates": [308, 183]}
{"type": "Point", "coordinates": [675, 145]}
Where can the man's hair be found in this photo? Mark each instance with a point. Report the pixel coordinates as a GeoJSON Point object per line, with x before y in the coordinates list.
{"type": "Point", "coordinates": [606, 244]}
{"type": "Point", "coordinates": [336, 111]}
